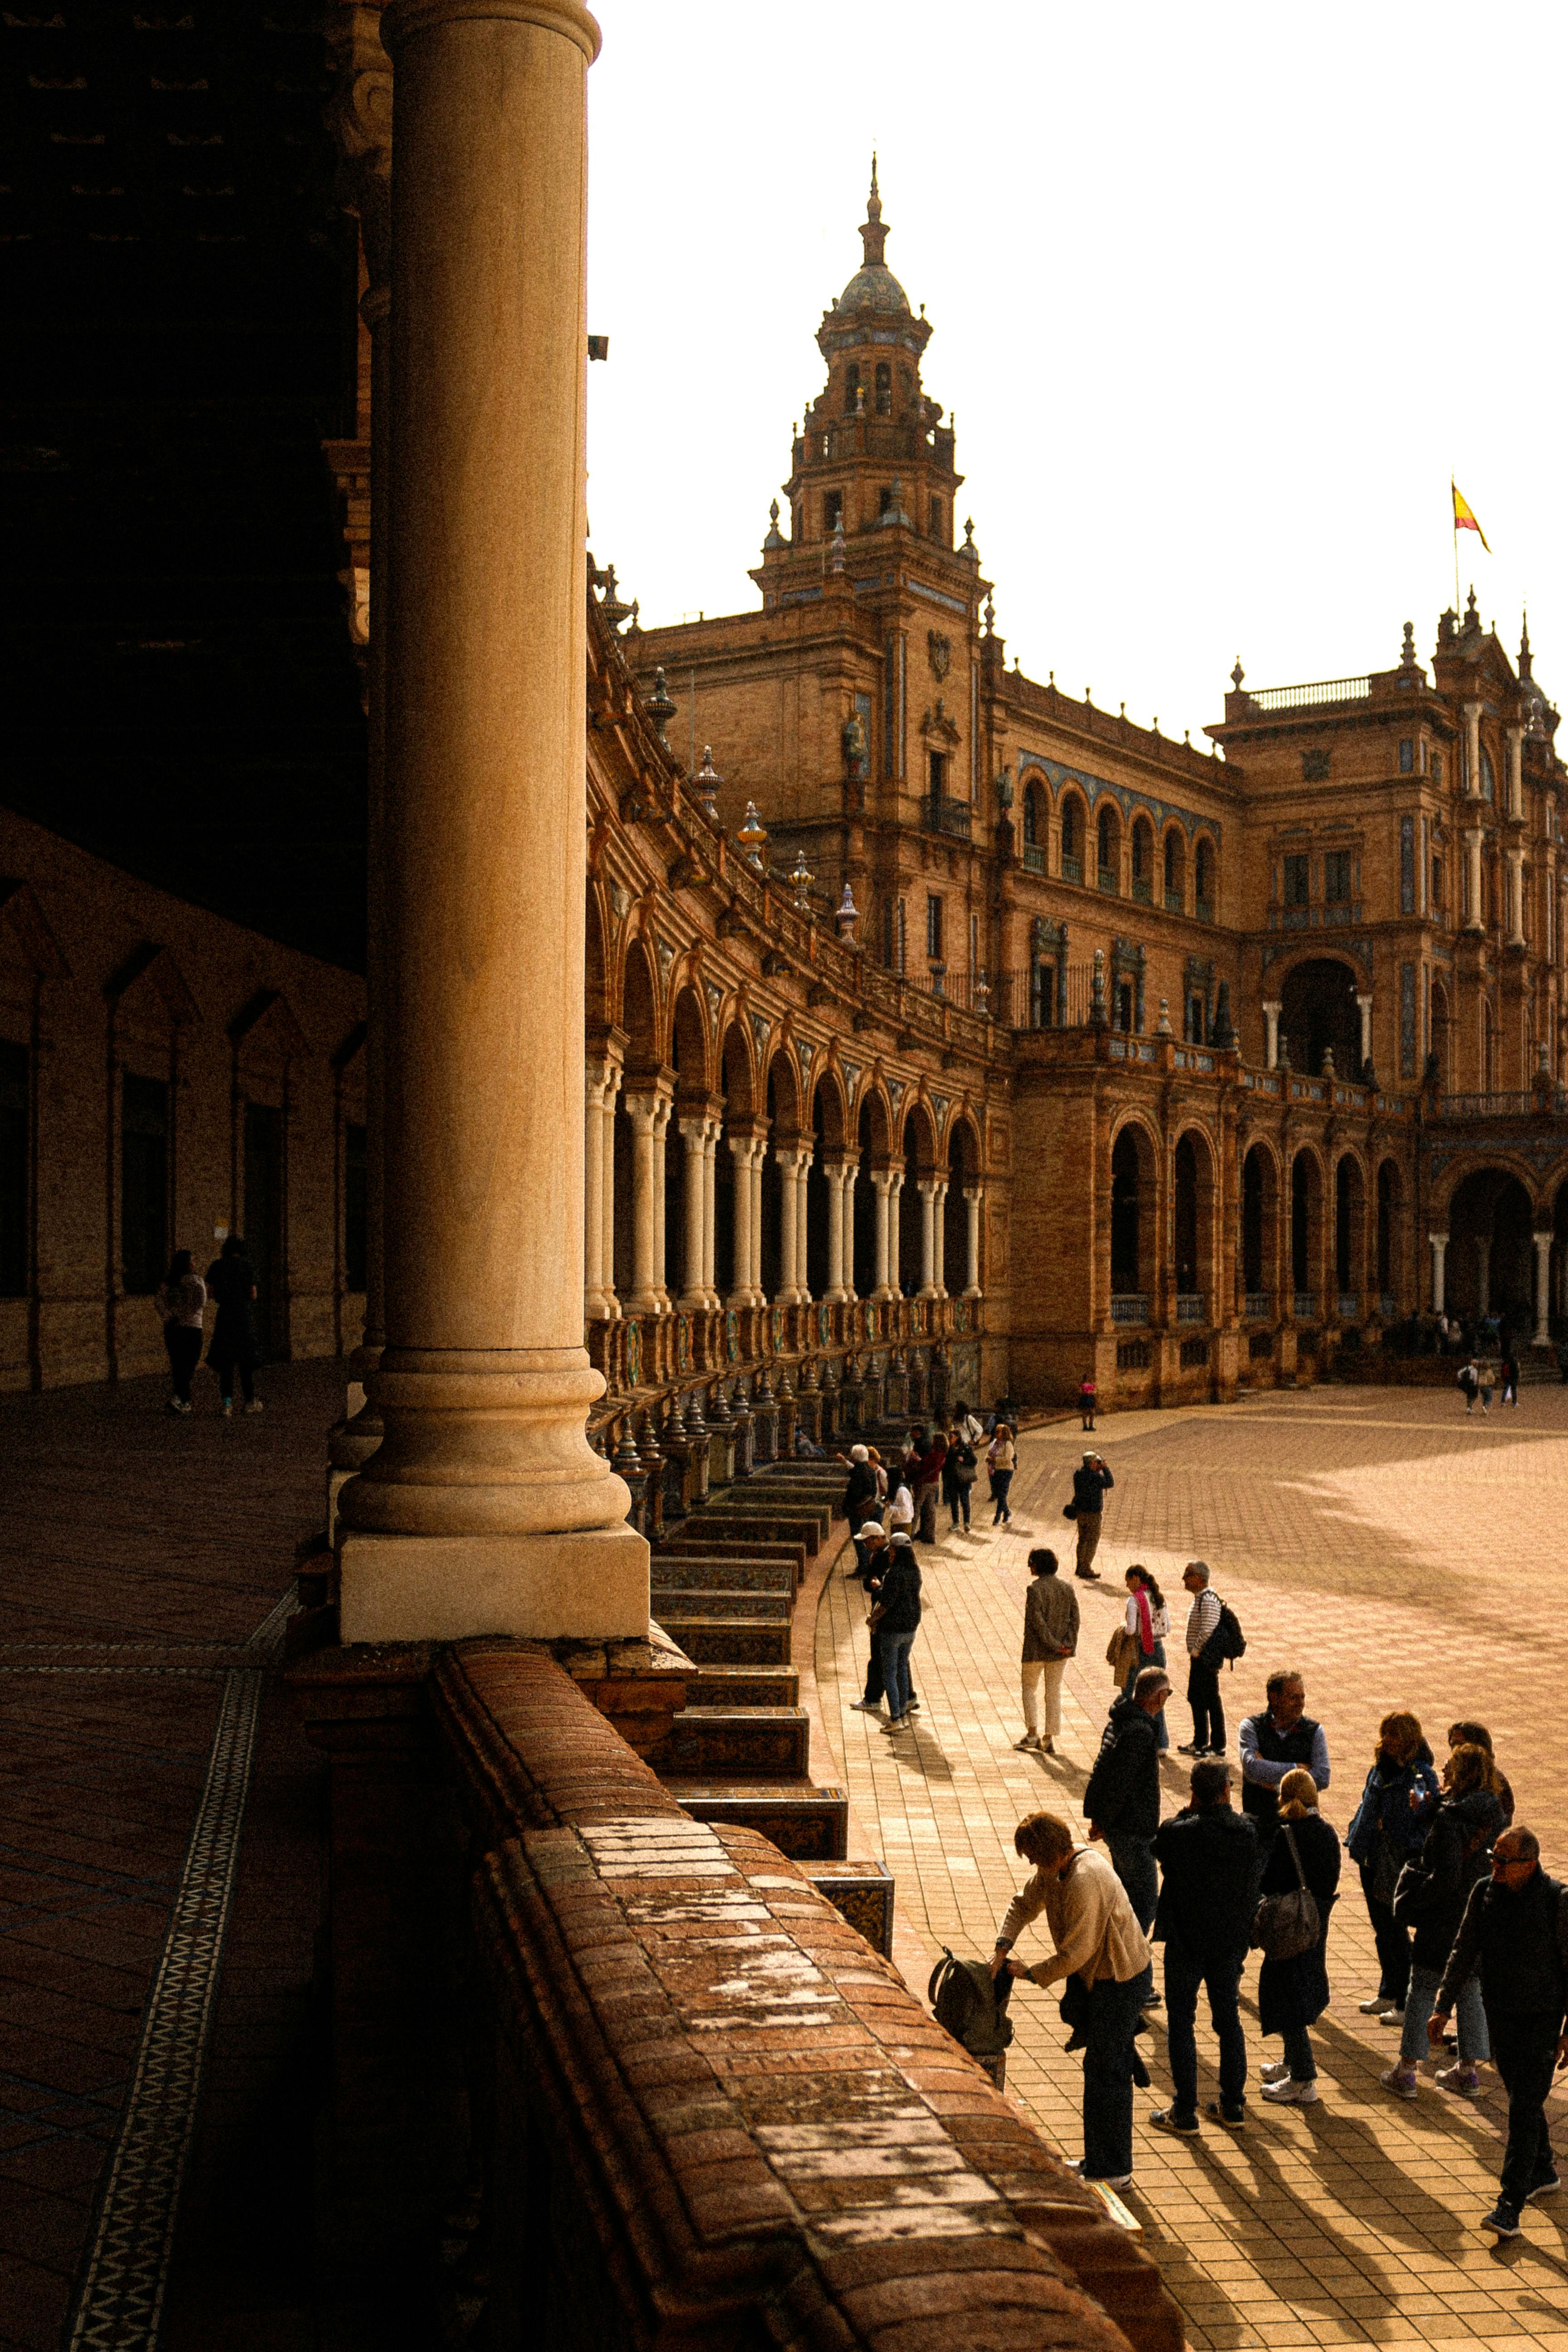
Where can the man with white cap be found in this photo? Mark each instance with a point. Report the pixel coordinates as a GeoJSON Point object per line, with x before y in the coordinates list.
{"type": "Point", "coordinates": [1090, 1481]}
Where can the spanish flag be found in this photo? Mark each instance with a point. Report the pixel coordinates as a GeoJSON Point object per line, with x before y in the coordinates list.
{"type": "Point", "coordinates": [1464, 520]}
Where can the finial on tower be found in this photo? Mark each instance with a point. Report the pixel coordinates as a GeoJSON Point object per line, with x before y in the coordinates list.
{"type": "Point", "coordinates": [1524, 644]}
{"type": "Point", "coordinates": [873, 236]}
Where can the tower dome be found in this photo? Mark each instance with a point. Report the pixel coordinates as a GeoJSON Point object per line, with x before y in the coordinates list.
{"type": "Point", "coordinates": [874, 285]}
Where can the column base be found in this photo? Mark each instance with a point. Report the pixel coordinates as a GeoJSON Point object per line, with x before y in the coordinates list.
{"type": "Point", "coordinates": [591, 1585]}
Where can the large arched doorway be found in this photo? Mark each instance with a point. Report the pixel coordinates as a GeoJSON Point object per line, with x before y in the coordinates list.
{"type": "Point", "coordinates": [1490, 1262]}
{"type": "Point", "coordinates": [1318, 1013]}
{"type": "Point", "coordinates": [963, 1175]}
{"type": "Point", "coordinates": [1131, 1215]}
{"type": "Point", "coordinates": [1192, 1223]}
{"type": "Point", "coordinates": [872, 1134]}
{"type": "Point", "coordinates": [1306, 1232]}
{"type": "Point", "coordinates": [1349, 1233]}
{"type": "Point", "coordinates": [1259, 1229]}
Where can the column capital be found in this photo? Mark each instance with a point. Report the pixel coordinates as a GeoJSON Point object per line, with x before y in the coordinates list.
{"type": "Point", "coordinates": [1439, 1241]}
{"type": "Point", "coordinates": [974, 1192]}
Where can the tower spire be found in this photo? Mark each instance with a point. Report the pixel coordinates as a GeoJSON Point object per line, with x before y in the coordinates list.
{"type": "Point", "coordinates": [873, 236]}
{"type": "Point", "coordinates": [1524, 646]}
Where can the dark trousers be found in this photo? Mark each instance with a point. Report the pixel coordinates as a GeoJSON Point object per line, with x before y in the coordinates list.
{"type": "Point", "coordinates": [184, 1342]}
{"type": "Point", "coordinates": [1000, 1482]}
{"type": "Point", "coordinates": [1392, 1943]}
{"type": "Point", "coordinates": [1203, 1697]}
{"type": "Point", "coordinates": [1132, 1859]}
{"type": "Point", "coordinates": [1109, 2066]}
{"type": "Point", "coordinates": [1524, 2051]}
{"type": "Point", "coordinates": [225, 1368]}
{"type": "Point", "coordinates": [1185, 1970]}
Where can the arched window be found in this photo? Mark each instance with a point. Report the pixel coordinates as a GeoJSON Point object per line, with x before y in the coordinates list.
{"type": "Point", "coordinates": [851, 388]}
{"type": "Point", "coordinates": [1144, 861]}
{"type": "Point", "coordinates": [1202, 874]}
{"type": "Point", "coordinates": [1031, 816]}
{"type": "Point", "coordinates": [1126, 1255]}
{"type": "Point", "coordinates": [1173, 873]}
{"type": "Point", "coordinates": [1107, 841]}
{"type": "Point", "coordinates": [1072, 842]}
{"type": "Point", "coordinates": [884, 389]}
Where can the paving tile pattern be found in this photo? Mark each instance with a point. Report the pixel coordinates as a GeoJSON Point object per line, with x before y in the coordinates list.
{"type": "Point", "coordinates": [1402, 1556]}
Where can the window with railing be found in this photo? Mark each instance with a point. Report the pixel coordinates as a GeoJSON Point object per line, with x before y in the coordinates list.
{"type": "Point", "coordinates": [1072, 840]}
{"type": "Point", "coordinates": [1259, 1306]}
{"type": "Point", "coordinates": [1129, 1307]}
{"type": "Point", "coordinates": [1194, 1353]}
{"type": "Point", "coordinates": [1305, 1306]}
{"type": "Point", "coordinates": [1337, 878]}
{"type": "Point", "coordinates": [1203, 877]}
{"type": "Point", "coordinates": [1192, 1306]}
{"type": "Point", "coordinates": [1134, 1354]}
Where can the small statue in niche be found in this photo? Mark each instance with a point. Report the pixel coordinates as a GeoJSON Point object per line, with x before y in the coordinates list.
{"type": "Point", "coordinates": [853, 739]}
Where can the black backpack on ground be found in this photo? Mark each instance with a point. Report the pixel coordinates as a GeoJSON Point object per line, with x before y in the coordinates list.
{"type": "Point", "coordinates": [971, 2005]}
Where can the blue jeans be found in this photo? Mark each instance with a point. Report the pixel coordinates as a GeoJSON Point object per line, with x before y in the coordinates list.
{"type": "Point", "coordinates": [1155, 1658]}
{"type": "Point", "coordinates": [1109, 2065]}
{"type": "Point", "coordinates": [1132, 1859]}
{"type": "Point", "coordinates": [1185, 1970]}
{"type": "Point", "coordinates": [896, 1648]}
{"type": "Point", "coordinates": [1471, 2018]}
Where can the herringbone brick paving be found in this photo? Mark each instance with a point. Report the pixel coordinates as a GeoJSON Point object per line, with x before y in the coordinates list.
{"type": "Point", "coordinates": [1402, 1556]}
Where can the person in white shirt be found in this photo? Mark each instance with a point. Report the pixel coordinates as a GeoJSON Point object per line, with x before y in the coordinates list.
{"type": "Point", "coordinates": [902, 1510]}
{"type": "Point", "coordinates": [1101, 1952]}
{"type": "Point", "coordinates": [1202, 1674]}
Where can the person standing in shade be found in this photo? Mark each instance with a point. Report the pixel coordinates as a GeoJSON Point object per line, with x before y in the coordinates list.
{"type": "Point", "coordinates": [1092, 1481]}
{"type": "Point", "coordinates": [1273, 1743]}
{"type": "Point", "coordinates": [860, 1488]}
{"type": "Point", "coordinates": [1001, 1460]}
{"type": "Point", "coordinates": [1515, 1930]}
{"type": "Point", "coordinates": [1121, 1800]}
{"type": "Point", "coordinates": [1456, 1855]}
{"type": "Point", "coordinates": [1209, 1867]}
{"type": "Point", "coordinates": [181, 1302]}
{"type": "Point", "coordinates": [1102, 1960]}
{"type": "Point", "coordinates": [958, 1474]}
{"type": "Point", "coordinates": [1293, 1994]}
{"type": "Point", "coordinates": [1051, 1639]}
{"type": "Point", "coordinates": [231, 1281]}
{"type": "Point", "coordinates": [1387, 1829]}
{"type": "Point", "coordinates": [896, 1620]}
{"type": "Point", "coordinates": [928, 1490]}
{"type": "Point", "coordinates": [1148, 1622]}
{"type": "Point", "coordinates": [1203, 1666]}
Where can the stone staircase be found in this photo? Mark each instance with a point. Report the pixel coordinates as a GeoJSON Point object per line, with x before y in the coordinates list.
{"type": "Point", "coordinates": [726, 1578]}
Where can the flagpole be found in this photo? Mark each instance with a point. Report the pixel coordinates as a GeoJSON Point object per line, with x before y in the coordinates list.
{"type": "Point", "coordinates": [1454, 521]}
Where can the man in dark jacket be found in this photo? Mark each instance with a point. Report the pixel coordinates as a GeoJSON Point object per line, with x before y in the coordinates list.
{"type": "Point", "coordinates": [1210, 1867]}
{"type": "Point", "coordinates": [1273, 1744]}
{"type": "Point", "coordinates": [1121, 1801]}
{"type": "Point", "coordinates": [1515, 1929]}
{"type": "Point", "coordinates": [1092, 1481]}
{"type": "Point", "coordinates": [896, 1618]}
{"type": "Point", "coordinates": [861, 1489]}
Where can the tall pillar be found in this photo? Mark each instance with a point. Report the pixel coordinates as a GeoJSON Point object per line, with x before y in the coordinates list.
{"type": "Point", "coordinates": [1516, 896]}
{"type": "Point", "coordinates": [926, 1187]}
{"type": "Point", "coordinates": [1473, 873]}
{"type": "Point", "coordinates": [607, 1205]}
{"type": "Point", "coordinates": [1472, 751]}
{"type": "Point", "coordinates": [1439, 1246]}
{"type": "Point", "coordinates": [754, 1167]}
{"type": "Point", "coordinates": [1543, 1289]}
{"type": "Point", "coordinates": [694, 1133]}
{"type": "Point", "coordinates": [660, 1195]}
{"type": "Point", "coordinates": [794, 1160]}
{"type": "Point", "coordinates": [1516, 772]}
{"type": "Point", "coordinates": [603, 1079]}
{"type": "Point", "coordinates": [710, 1186]}
{"type": "Point", "coordinates": [485, 1509]}
{"type": "Point", "coordinates": [840, 1177]}
{"type": "Point", "coordinates": [972, 1196]}
{"type": "Point", "coordinates": [882, 1182]}
{"type": "Point", "coordinates": [1363, 1006]}
{"type": "Point", "coordinates": [1483, 1274]}
{"type": "Point", "coordinates": [1272, 1033]}
{"type": "Point", "coordinates": [938, 1239]}
{"type": "Point", "coordinates": [649, 1111]}
{"type": "Point", "coordinates": [846, 1259]}
{"type": "Point", "coordinates": [741, 1149]}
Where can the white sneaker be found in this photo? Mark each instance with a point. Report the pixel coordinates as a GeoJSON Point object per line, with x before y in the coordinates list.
{"type": "Point", "coordinates": [1380, 2005]}
{"type": "Point", "coordinates": [227, 1408]}
{"type": "Point", "coordinates": [866, 1705]}
{"type": "Point", "coordinates": [256, 1405]}
{"type": "Point", "coordinates": [1288, 2093]}
{"type": "Point", "coordinates": [1103, 2180]}
{"type": "Point", "coordinates": [1276, 2071]}
{"type": "Point", "coordinates": [1462, 2080]}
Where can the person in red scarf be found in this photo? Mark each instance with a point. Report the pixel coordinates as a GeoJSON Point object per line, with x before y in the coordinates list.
{"type": "Point", "coordinates": [1148, 1622]}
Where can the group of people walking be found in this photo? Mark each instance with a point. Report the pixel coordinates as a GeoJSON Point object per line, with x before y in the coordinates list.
{"type": "Point", "coordinates": [182, 1301]}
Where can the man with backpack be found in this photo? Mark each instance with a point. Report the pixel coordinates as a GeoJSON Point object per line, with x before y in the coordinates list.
{"type": "Point", "coordinates": [1213, 1636]}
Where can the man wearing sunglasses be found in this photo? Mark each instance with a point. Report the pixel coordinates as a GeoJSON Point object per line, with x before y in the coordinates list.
{"type": "Point", "coordinates": [1515, 1929]}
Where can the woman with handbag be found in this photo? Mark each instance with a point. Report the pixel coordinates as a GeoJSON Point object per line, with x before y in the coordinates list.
{"type": "Point", "coordinates": [1386, 1828]}
{"type": "Point", "coordinates": [1294, 1990]}
{"type": "Point", "coordinates": [1148, 1622]}
{"type": "Point", "coordinates": [958, 1474]}
{"type": "Point", "coordinates": [1430, 1897]}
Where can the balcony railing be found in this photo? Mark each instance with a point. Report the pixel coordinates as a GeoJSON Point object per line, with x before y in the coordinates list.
{"type": "Point", "coordinates": [1174, 902]}
{"type": "Point", "coordinates": [1129, 1306]}
{"type": "Point", "coordinates": [1348, 1305]}
{"type": "Point", "coordinates": [1388, 1306]}
{"type": "Point", "coordinates": [1034, 858]}
{"type": "Point", "coordinates": [1192, 1306]}
{"type": "Point", "coordinates": [1305, 1307]}
{"type": "Point", "coordinates": [944, 815]}
{"type": "Point", "coordinates": [1109, 881]}
{"type": "Point", "coordinates": [1260, 1306]}
{"type": "Point", "coordinates": [1072, 869]}
{"type": "Point", "coordinates": [1518, 1102]}
{"type": "Point", "coordinates": [1143, 892]}
{"type": "Point", "coordinates": [1309, 698]}
{"type": "Point", "coordinates": [1205, 910]}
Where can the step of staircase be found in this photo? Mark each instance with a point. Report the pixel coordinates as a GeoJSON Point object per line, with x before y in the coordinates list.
{"type": "Point", "coordinates": [777, 1494]}
{"type": "Point", "coordinates": [719, 1637]}
{"type": "Point", "coordinates": [694, 1548]}
{"type": "Point", "coordinates": [863, 1892]}
{"type": "Point", "coordinates": [809, 1824]}
{"type": "Point", "coordinates": [686, 1574]}
{"type": "Point", "coordinates": [736, 1523]}
{"type": "Point", "coordinates": [760, 1743]}
{"type": "Point", "coordinates": [697, 1600]}
{"type": "Point", "coordinates": [744, 1686]}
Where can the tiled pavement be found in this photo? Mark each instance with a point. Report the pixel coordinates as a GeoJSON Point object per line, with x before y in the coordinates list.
{"type": "Point", "coordinates": [135, 1552]}
{"type": "Point", "coordinates": [1402, 1556]}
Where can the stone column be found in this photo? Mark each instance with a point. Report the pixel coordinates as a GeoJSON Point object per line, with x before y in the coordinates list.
{"type": "Point", "coordinates": [1543, 1289]}
{"type": "Point", "coordinates": [660, 1195]}
{"type": "Point", "coordinates": [1516, 897]}
{"type": "Point", "coordinates": [485, 1509]}
{"type": "Point", "coordinates": [1439, 1246]}
{"type": "Point", "coordinates": [973, 1194]}
{"type": "Point", "coordinates": [1473, 870]}
{"type": "Point", "coordinates": [793, 1160]}
{"type": "Point", "coordinates": [1272, 1033]}
{"type": "Point", "coordinates": [754, 1177]}
{"type": "Point", "coordinates": [603, 1079]}
{"type": "Point", "coordinates": [883, 1182]}
{"type": "Point", "coordinates": [1515, 739]}
{"type": "Point", "coordinates": [1483, 1274]}
{"type": "Point", "coordinates": [938, 1239]}
{"type": "Point", "coordinates": [694, 1133]}
{"type": "Point", "coordinates": [926, 1187]}
{"type": "Point", "coordinates": [647, 1112]}
{"type": "Point", "coordinates": [1363, 1006]}
{"type": "Point", "coordinates": [607, 1206]}
{"type": "Point", "coordinates": [839, 1178]}
{"type": "Point", "coordinates": [1473, 751]}
{"type": "Point", "coordinates": [741, 1150]}
{"type": "Point", "coordinates": [709, 1185]}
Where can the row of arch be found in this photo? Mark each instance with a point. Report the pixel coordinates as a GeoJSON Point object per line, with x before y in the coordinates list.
{"type": "Point", "coordinates": [1158, 859]}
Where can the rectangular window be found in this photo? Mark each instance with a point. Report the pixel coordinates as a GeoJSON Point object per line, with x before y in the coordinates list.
{"type": "Point", "coordinates": [884, 502]}
{"type": "Point", "coordinates": [1408, 865]}
{"type": "Point", "coordinates": [1123, 1005]}
{"type": "Point", "coordinates": [1296, 880]}
{"type": "Point", "coordinates": [832, 510]}
{"type": "Point", "coordinates": [1406, 755]}
{"type": "Point", "coordinates": [1437, 884]}
{"type": "Point", "coordinates": [1436, 767]}
{"type": "Point", "coordinates": [1407, 1019]}
{"type": "Point", "coordinates": [144, 1184]}
{"type": "Point", "coordinates": [12, 1170]}
{"type": "Point", "coordinates": [354, 1208]}
{"type": "Point", "coordinates": [1194, 1021]}
{"type": "Point", "coordinates": [1043, 1009]}
{"type": "Point", "coordinates": [936, 762]}
{"type": "Point", "coordinates": [933, 928]}
{"type": "Point", "coordinates": [1337, 878]}
{"type": "Point", "coordinates": [937, 515]}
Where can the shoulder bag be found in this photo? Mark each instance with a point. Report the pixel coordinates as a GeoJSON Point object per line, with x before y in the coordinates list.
{"type": "Point", "coordinates": [1285, 1926]}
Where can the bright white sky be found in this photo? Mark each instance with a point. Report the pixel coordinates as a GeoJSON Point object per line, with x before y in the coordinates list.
{"type": "Point", "coordinates": [1222, 295]}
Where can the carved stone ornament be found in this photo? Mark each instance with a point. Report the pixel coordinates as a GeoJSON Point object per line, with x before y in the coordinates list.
{"type": "Point", "coordinates": [939, 648]}
{"type": "Point", "coordinates": [852, 736]}
{"type": "Point", "coordinates": [359, 116]}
